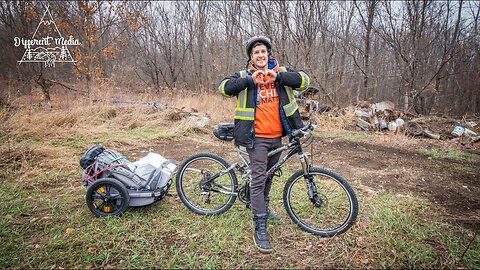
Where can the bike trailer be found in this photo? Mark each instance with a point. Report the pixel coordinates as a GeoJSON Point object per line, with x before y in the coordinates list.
{"type": "Point", "coordinates": [113, 183]}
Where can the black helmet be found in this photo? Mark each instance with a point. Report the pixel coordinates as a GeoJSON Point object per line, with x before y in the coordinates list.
{"type": "Point", "coordinates": [262, 39]}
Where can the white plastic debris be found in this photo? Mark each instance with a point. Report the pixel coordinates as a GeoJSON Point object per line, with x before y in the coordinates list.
{"type": "Point", "coordinates": [458, 131]}
{"type": "Point", "coordinates": [392, 126]}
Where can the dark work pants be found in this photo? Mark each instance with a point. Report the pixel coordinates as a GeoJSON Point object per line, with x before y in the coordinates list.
{"type": "Point", "coordinates": [259, 164]}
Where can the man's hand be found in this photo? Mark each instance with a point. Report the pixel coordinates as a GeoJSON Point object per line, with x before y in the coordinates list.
{"type": "Point", "coordinates": [257, 76]}
{"type": "Point", "coordinates": [261, 77]}
{"type": "Point", "coordinates": [270, 76]}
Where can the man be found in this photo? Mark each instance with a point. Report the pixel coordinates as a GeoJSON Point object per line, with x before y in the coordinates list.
{"type": "Point", "coordinates": [266, 111]}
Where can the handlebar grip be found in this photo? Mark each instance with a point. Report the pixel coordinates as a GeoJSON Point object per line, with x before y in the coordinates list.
{"type": "Point", "coordinates": [308, 127]}
{"type": "Point", "coordinates": [296, 132]}
{"type": "Point", "coordinates": [301, 131]}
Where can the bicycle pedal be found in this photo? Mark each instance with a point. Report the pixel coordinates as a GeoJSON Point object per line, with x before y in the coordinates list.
{"type": "Point", "coordinates": [278, 172]}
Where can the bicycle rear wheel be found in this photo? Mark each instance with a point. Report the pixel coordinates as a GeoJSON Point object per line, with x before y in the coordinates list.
{"type": "Point", "coordinates": [203, 187]}
{"type": "Point", "coordinates": [330, 209]}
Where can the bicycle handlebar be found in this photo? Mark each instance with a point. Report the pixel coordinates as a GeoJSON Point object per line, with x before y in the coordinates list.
{"type": "Point", "coordinates": [297, 133]}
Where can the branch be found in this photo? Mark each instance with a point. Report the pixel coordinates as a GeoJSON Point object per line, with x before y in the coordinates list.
{"type": "Point", "coordinates": [327, 95]}
{"type": "Point", "coordinates": [360, 13]}
{"type": "Point", "coordinates": [355, 62]}
{"type": "Point", "coordinates": [68, 87]}
{"type": "Point", "coordinates": [140, 77]}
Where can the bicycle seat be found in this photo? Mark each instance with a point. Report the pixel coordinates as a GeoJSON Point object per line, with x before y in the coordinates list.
{"type": "Point", "coordinates": [224, 131]}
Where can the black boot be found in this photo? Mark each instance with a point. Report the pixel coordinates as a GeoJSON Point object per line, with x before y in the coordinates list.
{"type": "Point", "coordinates": [260, 236]}
{"type": "Point", "coordinates": [271, 216]}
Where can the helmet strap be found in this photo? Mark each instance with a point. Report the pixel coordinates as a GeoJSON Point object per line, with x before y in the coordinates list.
{"type": "Point", "coordinates": [248, 63]}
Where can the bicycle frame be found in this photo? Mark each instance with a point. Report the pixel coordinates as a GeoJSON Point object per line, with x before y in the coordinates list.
{"type": "Point", "coordinates": [327, 211]}
{"type": "Point", "coordinates": [293, 147]}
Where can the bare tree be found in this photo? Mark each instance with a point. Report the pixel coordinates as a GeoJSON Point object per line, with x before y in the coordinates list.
{"type": "Point", "coordinates": [423, 55]}
{"type": "Point", "coordinates": [368, 26]}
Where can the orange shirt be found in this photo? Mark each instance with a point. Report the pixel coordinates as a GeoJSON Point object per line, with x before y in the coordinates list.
{"type": "Point", "coordinates": [267, 115]}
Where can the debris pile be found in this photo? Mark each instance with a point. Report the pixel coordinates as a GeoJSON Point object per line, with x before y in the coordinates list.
{"type": "Point", "coordinates": [382, 116]}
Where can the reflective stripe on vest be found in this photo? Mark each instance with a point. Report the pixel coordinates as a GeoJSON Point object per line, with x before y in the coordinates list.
{"type": "Point", "coordinates": [221, 88]}
{"type": "Point", "coordinates": [245, 114]}
{"type": "Point", "coordinates": [291, 107]}
{"type": "Point", "coordinates": [241, 111]}
{"type": "Point", "coordinates": [242, 99]}
{"type": "Point", "coordinates": [305, 81]}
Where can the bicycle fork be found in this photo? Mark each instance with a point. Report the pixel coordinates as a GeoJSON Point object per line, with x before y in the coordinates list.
{"type": "Point", "coordinates": [311, 187]}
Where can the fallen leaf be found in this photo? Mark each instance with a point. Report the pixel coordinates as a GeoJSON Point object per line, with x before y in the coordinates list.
{"type": "Point", "coordinates": [69, 231]}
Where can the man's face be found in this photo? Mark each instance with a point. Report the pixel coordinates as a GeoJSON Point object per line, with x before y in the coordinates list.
{"type": "Point", "coordinates": [260, 56]}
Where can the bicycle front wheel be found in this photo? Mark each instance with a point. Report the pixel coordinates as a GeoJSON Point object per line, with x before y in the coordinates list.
{"type": "Point", "coordinates": [204, 186]}
{"type": "Point", "coordinates": [322, 203]}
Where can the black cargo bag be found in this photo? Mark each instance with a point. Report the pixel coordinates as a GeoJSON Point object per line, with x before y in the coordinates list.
{"type": "Point", "coordinates": [90, 155]}
{"type": "Point", "coordinates": [224, 131]}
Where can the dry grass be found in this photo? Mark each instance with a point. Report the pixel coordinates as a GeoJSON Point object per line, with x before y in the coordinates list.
{"type": "Point", "coordinates": [100, 123]}
{"type": "Point", "coordinates": [103, 117]}
{"type": "Point", "coordinates": [334, 122]}
{"type": "Point", "coordinates": [17, 158]}
{"type": "Point", "coordinates": [31, 123]}
{"type": "Point", "coordinates": [185, 110]}
{"type": "Point", "coordinates": [213, 105]}
{"type": "Point", "coordinates": [26, 162]}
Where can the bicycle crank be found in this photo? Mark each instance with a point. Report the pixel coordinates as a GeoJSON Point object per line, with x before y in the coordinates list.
{"type": "Point", "coordinates": [244, 194]}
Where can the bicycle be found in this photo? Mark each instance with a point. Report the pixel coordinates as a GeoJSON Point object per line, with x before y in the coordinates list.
{"type": "Point", "coordinates": [318, 200]}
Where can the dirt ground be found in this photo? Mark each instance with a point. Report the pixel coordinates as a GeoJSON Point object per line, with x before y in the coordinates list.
{"type": "Point", "coordinates": [449, 183]}
{"type": "Point", "coordinates": [377, 162]}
